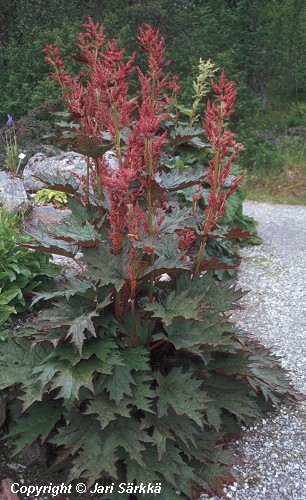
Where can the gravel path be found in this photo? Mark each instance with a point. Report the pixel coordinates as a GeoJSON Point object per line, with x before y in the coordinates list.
{"type": "Point", "coordinates": [274, 449]}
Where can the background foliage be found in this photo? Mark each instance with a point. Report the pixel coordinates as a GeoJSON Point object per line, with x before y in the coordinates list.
{"type": "Point", "coordinates": [21, 270]}
{"type": "Point", "coordinates": [261, 43]}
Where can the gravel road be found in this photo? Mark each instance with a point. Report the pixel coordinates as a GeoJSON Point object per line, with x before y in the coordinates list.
{"type": "Point", "coordinates": [273, 450]}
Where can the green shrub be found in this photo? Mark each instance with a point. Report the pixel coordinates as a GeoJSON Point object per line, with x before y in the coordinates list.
{"type": "Point", "coordinates": [297, 114]}
{"type": "Point", "coordinates": [21, 270]}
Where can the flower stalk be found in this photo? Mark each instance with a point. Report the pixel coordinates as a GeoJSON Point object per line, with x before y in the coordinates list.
{"type": "Point", "coordinates": [225, 151]}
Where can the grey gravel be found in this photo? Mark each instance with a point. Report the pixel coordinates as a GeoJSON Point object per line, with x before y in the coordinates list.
{"type": "Point", "coordinates": [273, 450]}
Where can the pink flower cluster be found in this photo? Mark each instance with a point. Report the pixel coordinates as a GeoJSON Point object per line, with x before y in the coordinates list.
{"type": "Point", "coordinates": [224, 147]}
{"type": "Point", "coordinates": [99, 101]}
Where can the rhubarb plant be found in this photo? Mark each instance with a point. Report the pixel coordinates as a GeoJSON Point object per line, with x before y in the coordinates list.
{"type": "Point", "coordinates": [134, 371]}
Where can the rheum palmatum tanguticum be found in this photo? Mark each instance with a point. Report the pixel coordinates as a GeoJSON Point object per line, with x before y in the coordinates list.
{"type": "Point", "coordinates": [137, 373]}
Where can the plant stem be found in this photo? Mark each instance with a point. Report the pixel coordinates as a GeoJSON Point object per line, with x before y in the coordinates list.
{"type": "Point", "coordinates": [200, 257]}
{"type": "Point", "coordinates": [117, 136]}
{"type": "Point", "coordinates": [87, 179]}
{"type": "Point", "coordinates": [133, 324]}
{"type": "Point", "coordinates": [118, 306]}
{"type": "Point", "coordinates": [148, 154]}
{"type": "Point", "coordinates": [98, 178]}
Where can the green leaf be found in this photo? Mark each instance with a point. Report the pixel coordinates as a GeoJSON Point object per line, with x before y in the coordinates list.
{"type": "Point", "coordinates": [17, 360]}
{"type": "Point", "coordinates": [94, 461]}
{"type": "Point", "coordinates": [176, 180]}
{"type": "Point", "coordinates": [219, 297]}
{"type": "Point", "coordinates": [48, 243]}
{"type": "Point", "coordinates": [119, 383]}
{"type": "Point", "coordinates": [237, 363]}
{"type": "Point", "coordinates": [141, 329]}
{"type": "Point", "coordinates": [213, 414]}
{"type": "Point", "coordinates": [5, 312]}
{"type": "Point", "coordinates": [171, 427]}
{"type": "Point", "coordinates": [74, 287]}
{"type": "Point", "coordinates": [106, 410]}
{"type": "Point", "coordinates": [190, 334]}
{"type": "Point", "coordinates": [128, 434]}
{"type": "Point", "coordinates": [77, 431]}
{"type": "Point", "coordinates": [84, 213]}
{"type": "Point", "coordinates": [59, 182]}
{"type": "Point", "coordinates": [121, 379]}
{"type": "Point", "coordinates": [136, 358]}
{"type": "Point", "coordinates": [99, 451]}
{"type": "Point", "coordinates": [106, 350]}
{"type": "Point", "coordinates": [180, 391]}
{"type": "Point", "coordinates": [177, 220]}
{"type": "Point", "coordinates": [38, 421]}
{"type": "Point", "coordinates": [143, 395]}
{"type": "Point", "coordinates": [268, 376]}
{"type": "Point", "coordinates": [78, 326]}
{"type": "Point", "coordinates": [177, 304]}
{"type": "Point", "coordinates": [230, 394]}
{"type": "Point", "coordinates": [170, 469]}
{"type": "Point", "coordinates": [105, 267]}
{"type": "Point", "coordinates": [81, 235]}
{"type": "Point", "coordinates": [66, 377]}
{"type": "Point", "coordinates": [140, 473]}
{"type": "Point", "coordinates": [169, 255]}
{"type": "Point", "coordinates": [184, 133]}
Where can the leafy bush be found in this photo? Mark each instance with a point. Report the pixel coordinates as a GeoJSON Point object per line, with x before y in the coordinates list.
{"type": "Point", "coordinates": [297, 114]}
{"type": "Point", "coordinates": [21, 270]}
{"type": "Point", "coordinates": [136, 372]}
{"type": "Point", "coordinates": [51, 196]}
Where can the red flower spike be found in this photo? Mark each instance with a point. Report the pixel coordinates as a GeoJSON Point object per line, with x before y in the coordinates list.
{"type": "Point", "coordinates": [225, 150]}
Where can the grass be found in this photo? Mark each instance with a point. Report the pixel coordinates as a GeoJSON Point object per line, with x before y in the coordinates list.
{"type": "Point", "coordinates": [275, 156]}
{"type": "Point", "coordinates": [287, 185]}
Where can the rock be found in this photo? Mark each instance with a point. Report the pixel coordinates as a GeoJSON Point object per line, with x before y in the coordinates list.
{"type": "Point", "coordinates": [49, 150]}
{"type": "Point", "coordinates": [299, 130]}
{"type": "Point", "coordinates": [6, 491]}
{"type": "Point", "coordinates": [65, 163]}
{"type": "Point", "coordinates": [36, 453]}
{"type": "Point", "coordinates": [17, 467]}
{"type": "Point", "coordinates": [13, 196]}
{"type": "Point", "coordinates": [49, 215]}
{"type": "Point", "coordinates": [111, 160]}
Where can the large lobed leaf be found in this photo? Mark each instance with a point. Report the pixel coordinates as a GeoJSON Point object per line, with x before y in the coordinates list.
{"type": "Point", "coordinates": [181, 391]}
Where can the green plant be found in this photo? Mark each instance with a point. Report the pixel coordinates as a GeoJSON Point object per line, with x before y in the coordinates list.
{"type": "Point", "coordinates": [21, 270]}
{"type": "Point", "coordinates": [11, 146]}
{"type": "Point", "coordinates": [50, 196]}
{"type": "Point", "coordinates": [297, 114]}
{"type": "Point", "coordinates": [136, 373]}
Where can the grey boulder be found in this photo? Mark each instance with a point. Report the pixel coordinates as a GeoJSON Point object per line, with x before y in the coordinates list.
{"type": "Point", "coordinates": [65, 164]}
{"type": "Point", "coordinates": [13, 196]}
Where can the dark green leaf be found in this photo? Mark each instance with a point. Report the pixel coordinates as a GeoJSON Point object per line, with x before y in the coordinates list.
{"type": "Point", "coordinates": [38, 421]}
{"type": "Point", "coordinates": [48, 243]}
{"type": "Point", "coordinates": [105, 267]}
{"type": "Point", "coordinates": [59, 182]}
{"type": "Point", "coordinates": [119, 383]}
{"type": "Point", "coordinates": [106, 410]}
{"type": "Point", "coordinates": [176, 180]}
{"type": "Point", "coordinates": [81, 235]}
{"type": "Point", "coordinates": [177, 304]}
{"type": "Point", "coordinates": [181, 391]}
